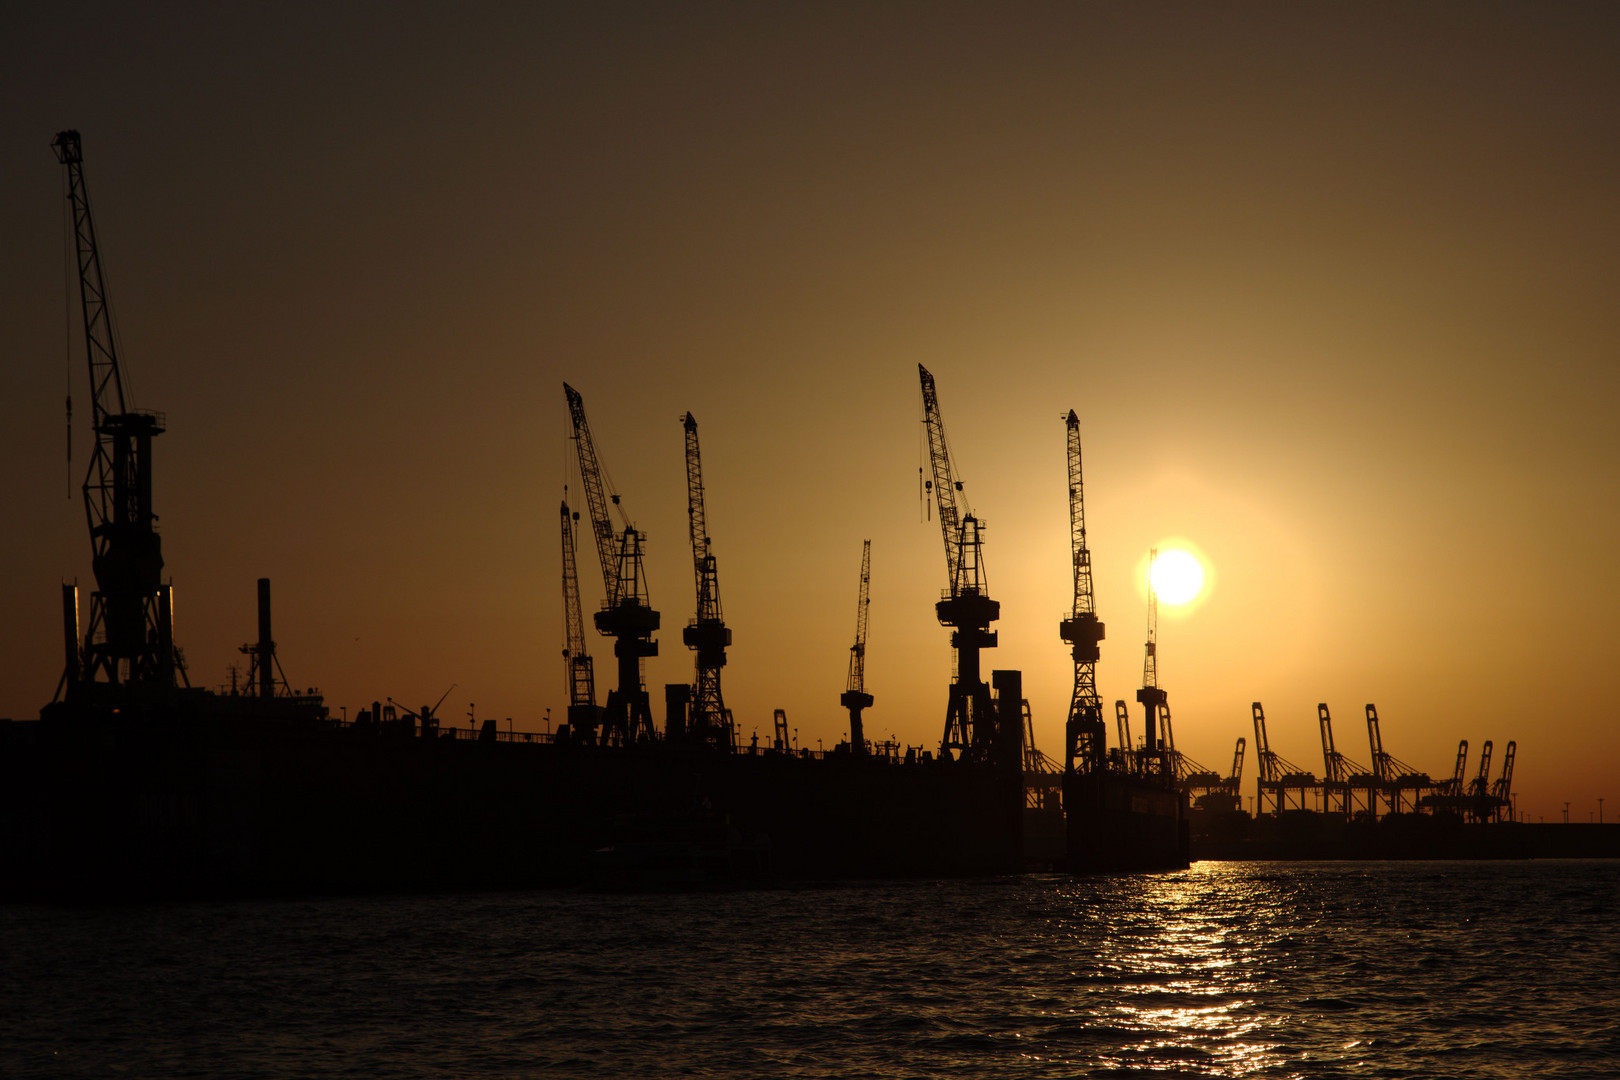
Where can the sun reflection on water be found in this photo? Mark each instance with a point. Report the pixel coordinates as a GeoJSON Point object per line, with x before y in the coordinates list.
{"type": "Point", "coordinates": [1175, 984]}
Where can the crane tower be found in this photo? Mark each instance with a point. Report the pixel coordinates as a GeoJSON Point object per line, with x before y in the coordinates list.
{"type": "Point", "coordinates": [129, 645]}
{"type": "Point", "coordinates": [855, 698]}
{"type": "Point", "coordinates": [1151, 697]}
{"type": "Point", "coordinates": [970, 716]}
{"type": "Point", "coordinates": [1085, 733]}
{"type": "Point", "coordinates": [582, 714]}
{"type": "Point", "coordinates": [707, 634]}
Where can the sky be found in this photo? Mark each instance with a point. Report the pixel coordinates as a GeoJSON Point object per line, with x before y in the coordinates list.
{"type": "Point", "coordinates": [1332, 289]}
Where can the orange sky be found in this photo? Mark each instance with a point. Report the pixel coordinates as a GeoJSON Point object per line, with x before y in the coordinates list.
{"type": "Point", "coordinates": [1331, 288]}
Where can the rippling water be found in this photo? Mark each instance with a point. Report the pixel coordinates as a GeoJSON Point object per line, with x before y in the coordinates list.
{"type": "Point", "coordinates": [1248, 969]}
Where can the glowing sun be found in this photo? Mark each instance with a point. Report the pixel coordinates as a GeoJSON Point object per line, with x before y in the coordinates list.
{"type": "Point", "coordinates": [1177, 576]}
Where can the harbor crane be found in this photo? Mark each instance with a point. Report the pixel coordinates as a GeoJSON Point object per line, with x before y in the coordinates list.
{"type": "Point", "coordinates": [582, 712]}
{"type": "Point", "coordinates": [1151, 697]}
{"type": "Point", "coordinates": [626, 615]}
{"type": "Point", "coordinates": [1127, 749]}
{"type": "Point", "coordinates": [1278, 776]}
{"type": "Point", "coordinates": [855, 698]}
{"type": "Point", "coordinates": [706, 635]}
{"type": "Point", "coordinates": [1236, 779]}
{"type": "Point", "coordinates": [1502, 791]}
{"type": "Point", "coordinates": [966, 607]}
{"type": "Point", "coordinates": [1085, 734]}
{"type": "Point", "coordinates": [1342, 776]}
{"type": "Point", "coordinates": [1394, 777]}
{"type": "Point", "coordinates": [128, 647]}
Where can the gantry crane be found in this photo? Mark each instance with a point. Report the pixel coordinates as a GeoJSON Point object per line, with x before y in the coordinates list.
{"type": "Point", "coordinates": [582, 713]}
{"type": "Point", "coordinates": [1278, 776]}
{"type": "Point", "coordinates": [128, 647]}
{"type": "Point", "coordinates": [1342, 777]}
{"type": "Point", "coordinates": [1502, 791]}
{"type": "Point", "coordinates": [627, 615]}
{"type": "Point", "coordinates": [1085, 735]}
{"type": "Point", "coordinates": [970, 717]}
{"type": "Point", "coordinates": [1150, 695]}
{"type": "Point", "coordinates": [1394, 776]}
{"type": "Point", "coordinates": [1455, 788]}
{"type": "Point", "coordinates": [1127, 749]}
{"type": "Point", "coordinates": [1477, 803]}
{"type": "Point", "coordinates": [706, 635]}
{"type": "Point", "coordinates": [855, 698]}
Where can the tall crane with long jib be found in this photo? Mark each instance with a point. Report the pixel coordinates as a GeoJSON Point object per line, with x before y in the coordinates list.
{"type": "Point", "coordinates": [855, 698]}
{"type": "Point", "coordinates": [707, 635]}
{"type": "Point", "coordinates": [1085, 735]}
{"type": "Point", "coordinates": [1150, 695]}
{"type": "Point", "coordinates": [582, 715]}
{"type": "Point", "coordinates": [626, 614]}
{"type": "Point", "coordinates": [966, 607]}
{"type": "Point", "coordinates": [129, 645]}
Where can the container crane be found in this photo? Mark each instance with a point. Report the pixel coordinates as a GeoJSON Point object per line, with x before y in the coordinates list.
{"type": "Point", "coordinates": [1340, 772]}
{"type": "Point", "coordinates": [627, 615]}
{"type": "Point", "coordinates": [128, 648]}
{"type": "Point", "coordinates": [966, 607]}
{"type": "Point", "coordinates": [1127, 749]}
{"type": "Point", "coordinates": [582, 712]}
{"type": "Point", "coordinates": [1502, 790]}
{"type": "Point", "coordinates": [1234, 781]}
{"type": "Point", "coordinates": [1480, 788]}
{"type": "Point", "coordinates": [1455, 788]}
{"type": "Point", "coordinates": [1085, 734]}
{"type": "Point", "coordinates": [855, 698]}
{"type": "Point", "coordinates": [1278, 775]}
{"type": "Point", "coordinates": [1150, 696]}
{"type": "Point", "coordinates": [1395, 777]}
{"type": "Point", "coordinates": [707, 635]}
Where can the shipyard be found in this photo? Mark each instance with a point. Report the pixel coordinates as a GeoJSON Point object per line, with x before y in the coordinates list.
{"type": "Point", "coordinates": [979, 542]}
{"type": "Point", "coordinates": [134, 780]}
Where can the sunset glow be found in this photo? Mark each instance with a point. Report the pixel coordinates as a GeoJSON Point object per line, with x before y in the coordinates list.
{"type": "Point", "coordinates": [1178, 577]}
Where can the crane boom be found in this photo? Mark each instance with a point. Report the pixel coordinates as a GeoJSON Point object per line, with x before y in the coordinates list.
{"type": "Point", "coordinates": [597, 495]}
{"type": "Point", "coordinates": [626, 615]}
{"type": "Point", "coordinates": [1085, 733]}
{"type": "Point", "coordinates": [855, 698]}
{"type": "Point", "coordinates": [581, 674]}
{"type": "Point", "coordinates": [944, 484]}
{"type": "Point", "coordinates": [707, 635]}
{"type": "Point", "coordinates": [970, 714]}
{"type": "Point", "coordinates": [130, 638]}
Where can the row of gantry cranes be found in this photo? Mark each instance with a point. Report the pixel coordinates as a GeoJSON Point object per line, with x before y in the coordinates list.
{"type": "Point", "coordinates": [1346, 789]}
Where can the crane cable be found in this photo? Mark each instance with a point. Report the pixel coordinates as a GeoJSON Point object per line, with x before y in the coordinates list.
{"type": "Point", "coordinates": [67, 324]}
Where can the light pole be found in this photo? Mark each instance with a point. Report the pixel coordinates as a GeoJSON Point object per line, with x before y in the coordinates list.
{"type": "Point", "coordinates": [1600, 811]}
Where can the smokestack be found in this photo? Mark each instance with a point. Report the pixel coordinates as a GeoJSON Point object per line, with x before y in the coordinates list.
{"type": "Point", "coordinates": [267, 646]}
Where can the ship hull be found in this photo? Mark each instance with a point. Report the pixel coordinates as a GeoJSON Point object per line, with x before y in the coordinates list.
{"type": "Point", "coordinates": [1120, 822]}
{"type": "Point", "coordinates": [227, 799]}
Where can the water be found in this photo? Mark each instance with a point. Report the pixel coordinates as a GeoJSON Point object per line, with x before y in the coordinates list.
{"type": "Point", "coordinates": [1254, 969]}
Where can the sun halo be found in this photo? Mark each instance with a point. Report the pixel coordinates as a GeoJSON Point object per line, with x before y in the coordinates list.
{"type": "Point", "coordinates": [1178, 577]}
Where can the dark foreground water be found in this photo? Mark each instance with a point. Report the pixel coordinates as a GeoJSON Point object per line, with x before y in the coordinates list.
{"type": "Point", "coordinates": [1251, 969]}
